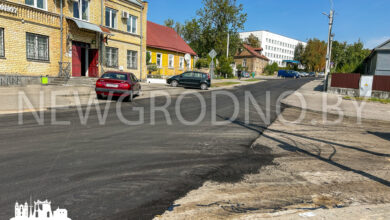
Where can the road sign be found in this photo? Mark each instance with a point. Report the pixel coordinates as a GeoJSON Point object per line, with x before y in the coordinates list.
{"type": "Point", "coordinates": [212, 54]}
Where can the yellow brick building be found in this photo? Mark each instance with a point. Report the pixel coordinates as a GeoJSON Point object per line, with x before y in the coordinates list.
{"type": "Point", "coordinates": [168, 50]}
{"type": "Point", "coordinates": [73, 37]}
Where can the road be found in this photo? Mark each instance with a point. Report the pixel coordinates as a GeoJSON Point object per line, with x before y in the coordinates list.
{"type": "Point", "coordinates": [119, 171]}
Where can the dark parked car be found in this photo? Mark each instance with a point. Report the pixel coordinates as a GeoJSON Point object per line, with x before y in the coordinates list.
{"type": "Point", "coordinates": [191, 79]}
{"type": "Point", "coordinates": [118, 84]}
{"type": "Point", "coordinates": [288, 74]}
{"type": "Point", "coordinates": [312, 74]}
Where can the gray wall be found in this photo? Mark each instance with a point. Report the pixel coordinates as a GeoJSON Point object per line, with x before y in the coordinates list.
{"type": "Point", "coordinates": [383, 63]}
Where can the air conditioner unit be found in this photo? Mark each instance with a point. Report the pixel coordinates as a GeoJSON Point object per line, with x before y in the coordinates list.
{"type": "Point", "coordinates": [125, 14]}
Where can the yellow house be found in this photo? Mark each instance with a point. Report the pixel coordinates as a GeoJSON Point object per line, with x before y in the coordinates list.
{"type": "Point", "coordinates": [168, 50]}
{"type": "Point", "coordinates": [75, 38]}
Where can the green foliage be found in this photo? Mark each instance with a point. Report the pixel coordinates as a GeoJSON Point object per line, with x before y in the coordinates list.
{"type": "Point", "coordinates": [270, 69]}
{"type": "Point", "coordinates": [241, 68]}
{"type": "Point", "coordinates": [298, 53]}
{"type": "Point", "coordinates": [148, 58]}
{"type": "Point", "coordinates": [314, 56]}
{"type": "Point", "coordinates": [252, 41]}
{"type": "Point", "coordinates": [348, 58]}
{"type": "Point", "coordinates": [203, 63]}
{"type": "Point", "coordinates": [224, 67]}
{"type": "Point", "coordinates": [209, 30]}
{"type": "Point", "coordinates": [152, 67]}
{"type": "Point", "coordinates": [169, 23]}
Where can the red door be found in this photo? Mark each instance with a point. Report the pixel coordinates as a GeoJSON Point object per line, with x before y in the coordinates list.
{"type": "Point", "coordinates": [93, 68]}
{"type": "Point", "coordinates": [76, 60]}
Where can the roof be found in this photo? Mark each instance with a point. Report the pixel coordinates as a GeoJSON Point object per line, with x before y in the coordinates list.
{"type": "Point", "coordinates": [162, 37]}
{"type": "Point", "coordinates": [254, 53]}
{"type": "Point", "coordinates": [382, 47]}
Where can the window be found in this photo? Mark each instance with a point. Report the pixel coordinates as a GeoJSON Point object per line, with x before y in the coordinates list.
{"type": "Point", "coordinates": [188, 74]}
{"type": "Point", "coordinates": [111, 57]}
{"type": "Point", "coordinates": [159, 60]}
{"type": "Point", "coordinates": [189, 65]}
{"type": "Point", "coordinates": [81, 9]}
{"type": "Point", "coordinates": [198, 75]}
{"type": "Point", "coordinates": [170, 61]}
{"type": "Point", "coordinates": [244, 63]}
{"type": "Point", "coordinates": [181, 63]}
{"type": "Point", "coordinates": [132, 24]}
{"type": "Point", "coordinates": [132, 57]}
{"type": "Point", "coordinates": [37, 3]}
{"type": "Point", "coordinates": [2, 42]}
{"type": "Point", "coordinates": [120, 76]}
{"type": "Point", "coordinates": [111, 18]}
{"type": "Point", "coordinates": [37, 47]}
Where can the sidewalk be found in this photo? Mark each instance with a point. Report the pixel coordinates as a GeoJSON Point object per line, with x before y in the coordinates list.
{"type": "Point", "coordinates": [315, 99]}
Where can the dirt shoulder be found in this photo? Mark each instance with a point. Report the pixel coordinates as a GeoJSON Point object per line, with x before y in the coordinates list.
{"type": "Point", "coordinates": [319, 171]}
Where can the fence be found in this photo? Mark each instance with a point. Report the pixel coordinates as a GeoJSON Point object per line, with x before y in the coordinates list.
{"type": "Point", "coordinates": [342, 80]}
{"type": "Point", "coordinates": [381, 83]}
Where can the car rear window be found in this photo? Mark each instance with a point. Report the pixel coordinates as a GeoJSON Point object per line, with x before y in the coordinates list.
{"type": "Point", "coordinates": [118, 76]}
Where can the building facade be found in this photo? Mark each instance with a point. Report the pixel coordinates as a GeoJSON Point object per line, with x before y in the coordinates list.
{"type": "Point", "coordinates": [77, 38]}
{"type": "Point", "coordinates": [251, 59]}
{"type": "Point", "coordinates": [378, 62]}
{"type": "Point", "coordinates": [277, 48]}
{"type": "Point", "coordinates": [168, 51]}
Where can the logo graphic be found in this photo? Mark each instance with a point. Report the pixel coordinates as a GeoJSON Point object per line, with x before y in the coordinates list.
{"type": "Point", "coordinates": [40, 211]}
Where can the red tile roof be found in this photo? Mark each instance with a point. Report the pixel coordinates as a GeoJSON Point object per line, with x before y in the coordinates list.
{"type": "Point", "coordinates": [162, 37]}
{"type": "Point", "coordinates": [253, 51]}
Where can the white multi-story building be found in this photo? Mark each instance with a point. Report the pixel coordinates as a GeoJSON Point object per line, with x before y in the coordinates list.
{"type": "Point", "coordinates": [276, 48]}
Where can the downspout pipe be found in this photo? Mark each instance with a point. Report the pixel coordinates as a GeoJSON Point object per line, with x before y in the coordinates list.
{"type": "Point", "coordinates": [62, 36]}
{"type": "Point", "coordinates": [101, 37]}
{"type": "Point", "coordinates": [142, 39]}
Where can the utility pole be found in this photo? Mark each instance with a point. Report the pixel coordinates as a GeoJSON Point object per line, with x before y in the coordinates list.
{"type": "Point", "coordinates": [228, 44]}
{"type": "Point", "coordinates": [329, 48]}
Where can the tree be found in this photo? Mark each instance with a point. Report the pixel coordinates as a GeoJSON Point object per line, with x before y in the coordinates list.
{"type": "Point", "coordinates": [169, 23]}
{"type": "Point", "coordinates": [314, 56]}
{"type": "Point", "coordinates": [348, 58]}
{"type": "Point", "coordinates": [298, 53]}
{"type": "Point", "coordinates": [224, 67]}
{"type": "Point", "coordinates": [253, 41]}
{"type": "Point", "coordinates": [216, 19]}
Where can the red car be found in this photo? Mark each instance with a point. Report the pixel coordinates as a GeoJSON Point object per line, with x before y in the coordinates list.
{"type": "Point", "coordinates": [118, 84]}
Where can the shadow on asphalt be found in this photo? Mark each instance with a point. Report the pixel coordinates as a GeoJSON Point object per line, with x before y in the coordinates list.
{"type": "Point", "coordinates": [385, 136]}
{"type": "Point", "coordinates": [288, 147]}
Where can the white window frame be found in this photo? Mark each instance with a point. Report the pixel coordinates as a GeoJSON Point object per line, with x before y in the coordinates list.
{"type": "Point", "coordinates": [108, 57]}
{"type": "Point", "coordinates": [157, 59]}
{"type": "Point", "coordinates": [2, 48]}
{"type": "Point", "coordinates": [189, 65]}
{"type": "Point", "coordinates": [36, 48]}
{"type": "Point", "coordinates": [171, 61]}
{"type": "Point", "coordinates": [80, 3]}
{"type": "Point", "coordinates": [130, 23]}
{"type": "Point", "coordinates": [181, 63]}
{"type": "Point", "coordinates": [244, 63]}
{"type": "Point", "coordinates": [113, 23]}
{"type": "Point", "coordinates": [35, 5]}
{"type": "Point", "coordinates": [130, 55]}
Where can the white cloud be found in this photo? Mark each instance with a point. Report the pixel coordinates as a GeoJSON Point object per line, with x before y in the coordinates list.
{"type": "Point", "coordinates": [374, 42]}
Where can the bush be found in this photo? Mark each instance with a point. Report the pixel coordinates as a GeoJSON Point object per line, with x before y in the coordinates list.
{"type": "Point", "coordinates": [152, 67]}
{"type": "Point", "coordinates": [202, 63]}
{"type": "Point", "coordinates": [270, 69]}
{"type": "Point", "coordinates": [224, 68]}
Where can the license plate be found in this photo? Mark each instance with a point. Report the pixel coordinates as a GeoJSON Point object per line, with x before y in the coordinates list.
{"type": "Point", "coordinates": [112, 85]}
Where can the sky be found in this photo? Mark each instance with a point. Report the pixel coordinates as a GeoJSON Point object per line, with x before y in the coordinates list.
{"type": "Point", "coordinates": [367, 20]}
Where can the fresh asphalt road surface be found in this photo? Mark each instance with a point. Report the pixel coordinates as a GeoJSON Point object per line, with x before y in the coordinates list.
{"type": "Point", "coordinates": [120, 171]}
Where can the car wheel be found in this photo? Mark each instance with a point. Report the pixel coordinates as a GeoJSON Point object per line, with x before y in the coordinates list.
{"type": "Point", "coordinates": [174, 83]}
{"type": "Point", "coordinates": [203, 86]}
{"type": "Point", "coordinates": [99, 97]}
